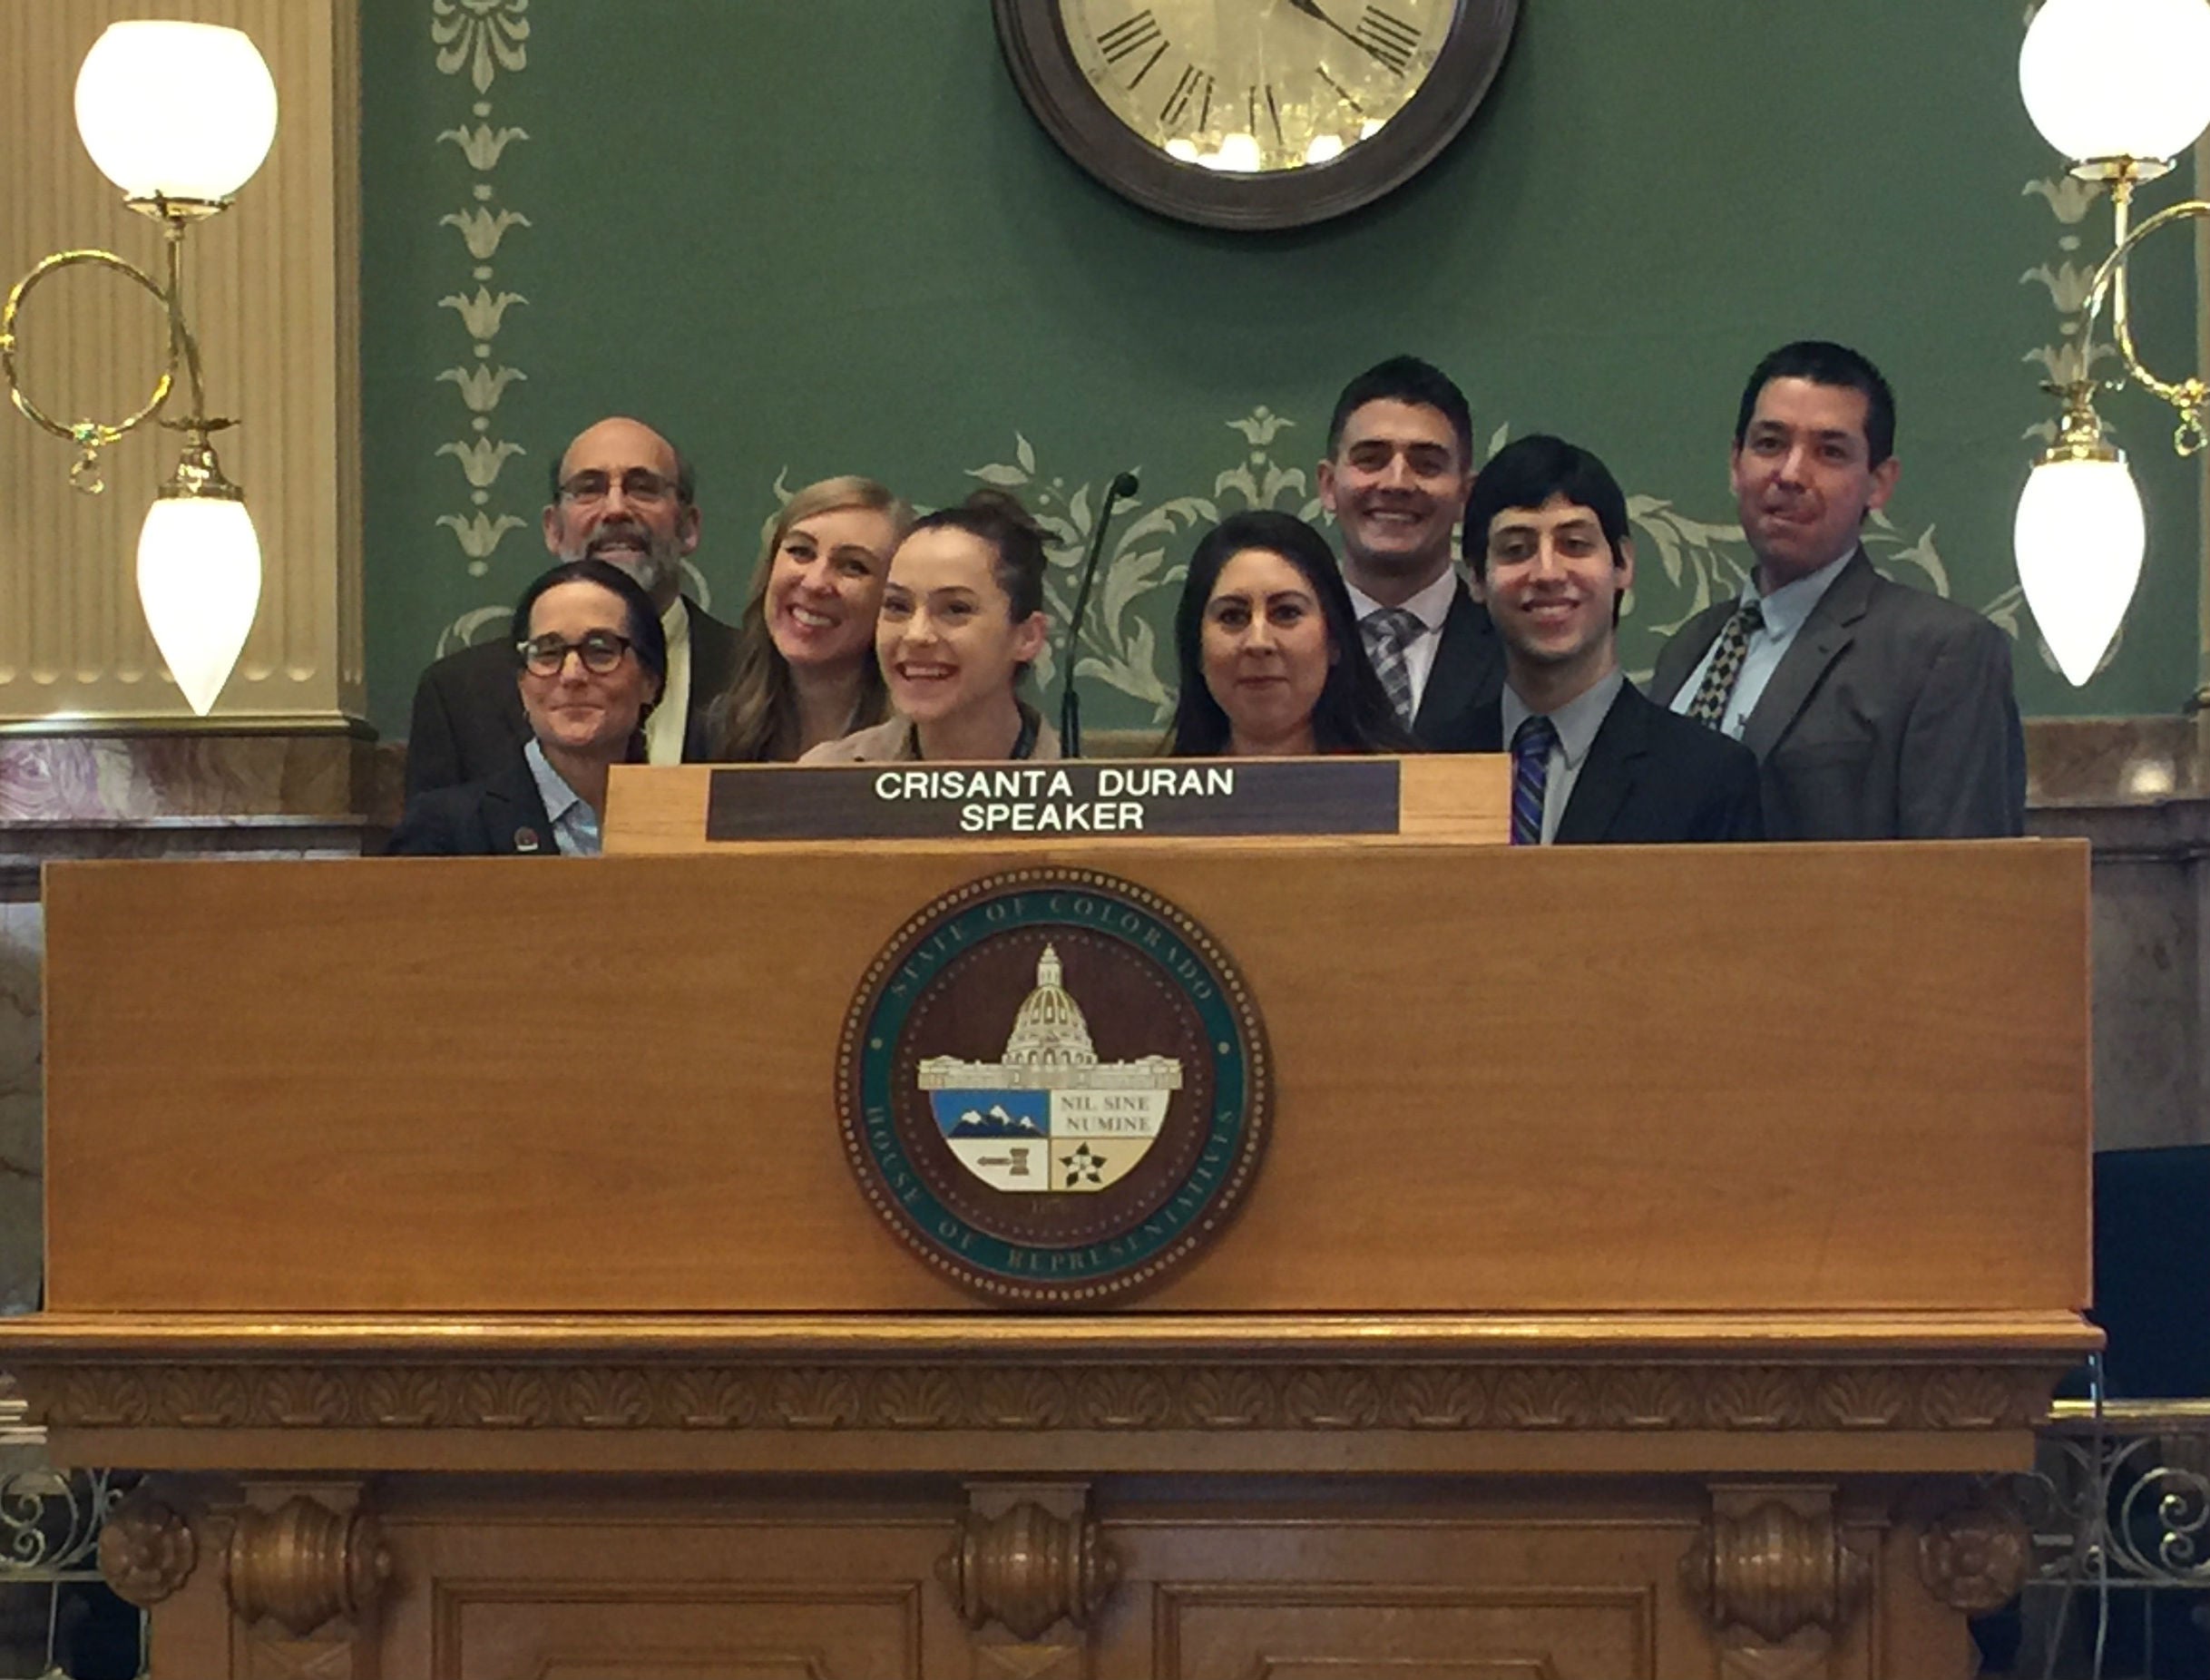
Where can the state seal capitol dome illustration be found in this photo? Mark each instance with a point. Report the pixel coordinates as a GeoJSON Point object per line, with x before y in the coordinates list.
{"type": "Point", "coordinates": [1054, 1085]}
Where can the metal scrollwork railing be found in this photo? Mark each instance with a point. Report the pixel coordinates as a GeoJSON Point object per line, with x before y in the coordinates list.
{"type": "Point", "coordinates": [2118, 1506]}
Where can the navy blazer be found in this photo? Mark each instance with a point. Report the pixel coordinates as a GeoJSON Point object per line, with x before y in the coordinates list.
{"type": "Point", "coordinates": [502, 815]}
{"type": "Point", "coordinates": [468, 716]}
{"type": "Point", "coordinates": [1652, 779]}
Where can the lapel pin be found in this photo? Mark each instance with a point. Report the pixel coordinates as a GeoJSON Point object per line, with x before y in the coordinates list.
{"type": "Point", "coordinates": [525, 840]}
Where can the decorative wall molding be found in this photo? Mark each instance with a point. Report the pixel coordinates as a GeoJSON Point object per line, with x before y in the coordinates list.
{"type": "Point", "coordinates": [1115, 1398]}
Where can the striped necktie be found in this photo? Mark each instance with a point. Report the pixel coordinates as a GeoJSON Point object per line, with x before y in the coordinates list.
{"type": "Point", "coordinates": [1531, 774]}
{"type": "Point", "coordinates": [1388, 633]}
{"type": "Point", "coordinates": [1726, 668]}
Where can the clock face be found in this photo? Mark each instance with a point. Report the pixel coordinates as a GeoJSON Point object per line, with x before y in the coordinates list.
{"type": "Point", "coordinates": [1252, 87]}
{"type": "Point", "coordinates": [1251, 114]}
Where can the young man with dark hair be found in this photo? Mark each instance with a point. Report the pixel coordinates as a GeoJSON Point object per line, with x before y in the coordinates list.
{"type": "Point", "coordinates": [1876, 711]}
{"type": "Point", "coordinates": [623, 494]}
{"type": "Point", "coordinates": [1548, 550]}
{"type": "Point", "coordinates": [1400, 461]}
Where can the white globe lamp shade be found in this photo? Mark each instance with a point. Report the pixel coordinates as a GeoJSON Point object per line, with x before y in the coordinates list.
{"type": "Point", "coordinates": [199, 582]}
{"type": "Point", "coordinates": [177, 111]}
{"type": "Point", "coordinates": [2079, 538]}
{"type": "Point", "coordinates": [2107, 78]}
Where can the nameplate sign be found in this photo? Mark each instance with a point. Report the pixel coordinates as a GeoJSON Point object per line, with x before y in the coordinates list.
{"type": "Point", "coordinates": [1073, 799]}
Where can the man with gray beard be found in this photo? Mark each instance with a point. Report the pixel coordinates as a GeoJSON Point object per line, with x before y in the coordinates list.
{"type": "Point", "coordinates": [625, 494]}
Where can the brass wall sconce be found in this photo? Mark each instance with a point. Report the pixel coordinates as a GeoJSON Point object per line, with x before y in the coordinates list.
{"type": "Point", "coordinates": [179, 116]}
{"type": "Point", "coordinates": [2120, 87]}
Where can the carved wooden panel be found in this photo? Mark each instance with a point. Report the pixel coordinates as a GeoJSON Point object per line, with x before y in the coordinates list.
{"type": "Point", "coordinates": [1321, 1632]}
{"type": "Point", "coordinates": [677, 1630]}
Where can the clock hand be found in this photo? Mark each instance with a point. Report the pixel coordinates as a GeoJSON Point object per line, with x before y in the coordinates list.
{"type": "Point", "coordinates": [1311, 8]}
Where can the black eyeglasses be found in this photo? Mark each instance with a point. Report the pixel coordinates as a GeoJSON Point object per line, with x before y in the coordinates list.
{"type": "Point", "coordinates": [638, 486]}
{"type": "Point", "coordinates": [547, 656]}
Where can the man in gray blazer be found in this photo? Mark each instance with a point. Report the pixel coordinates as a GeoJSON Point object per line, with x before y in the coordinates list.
{"type": "Point", "coordinates": [1876, 711]}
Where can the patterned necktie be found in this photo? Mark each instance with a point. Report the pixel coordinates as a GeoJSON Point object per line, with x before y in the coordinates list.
{"type": "Point", "coordinates": [1726, 655]}
{"type": "Point", "coordinates": [1388, 632]}
{"type": "Point", "coordinates": [1531, 774]}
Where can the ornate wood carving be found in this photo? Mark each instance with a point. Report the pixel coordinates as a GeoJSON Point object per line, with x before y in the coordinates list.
{"type": "Point", "coordinates": [146, 1550]}
{"type": "Point", "coordinates": [1974, 1557]}
{"type": "Point", "coordinates": [1027, 1569]}
{"type": "Point", "coordinates": [1774, 1568]}
{"type": "Point", "coordinates": [901, 1397]}
{"type": "Point", "coordinates": [303, 1564]}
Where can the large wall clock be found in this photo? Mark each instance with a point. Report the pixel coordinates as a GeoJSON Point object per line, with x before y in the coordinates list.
{"type": "Point", "coordinates": [1254, 113]}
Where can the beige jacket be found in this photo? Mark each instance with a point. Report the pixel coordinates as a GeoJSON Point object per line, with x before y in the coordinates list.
{"type": "Point", "coordinates": [893, 742]}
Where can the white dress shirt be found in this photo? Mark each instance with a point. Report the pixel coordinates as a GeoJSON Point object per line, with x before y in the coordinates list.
{"type": "Point", "coordinates": [1430, 606]}
{"type": "Point", "coordinates": [663, 731]}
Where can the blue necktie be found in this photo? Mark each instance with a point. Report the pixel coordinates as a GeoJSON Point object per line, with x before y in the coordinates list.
{"type": "Point", "coordinates": [1531, 774]}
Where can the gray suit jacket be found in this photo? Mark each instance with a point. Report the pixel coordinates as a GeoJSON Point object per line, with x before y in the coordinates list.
{"type": "Point", "coordinates": [1889, 717]}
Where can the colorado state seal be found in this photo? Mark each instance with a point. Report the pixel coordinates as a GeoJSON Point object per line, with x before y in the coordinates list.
{"type": "Point", "coordinates": [1054, 1085]}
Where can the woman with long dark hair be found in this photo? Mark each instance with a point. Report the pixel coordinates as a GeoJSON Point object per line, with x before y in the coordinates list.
{"type": "Point", "coordinates": [1268, 646]}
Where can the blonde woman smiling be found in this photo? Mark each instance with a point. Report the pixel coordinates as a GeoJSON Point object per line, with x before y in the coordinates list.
{"type": "Point", "coordinates": [806, 671]}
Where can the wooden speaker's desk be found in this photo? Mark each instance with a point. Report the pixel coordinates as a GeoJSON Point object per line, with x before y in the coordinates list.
{"type": "Point", "coordinates": [1652, 1249]}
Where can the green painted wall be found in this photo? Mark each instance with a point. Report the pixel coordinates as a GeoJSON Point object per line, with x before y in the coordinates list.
{"type": "Point", "coordinates": [808, 237]}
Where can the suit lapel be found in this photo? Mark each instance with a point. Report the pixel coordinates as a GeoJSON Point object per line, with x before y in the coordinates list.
{"type": "Point", "coordinates": [1832, 626]}
{"type": "Point", "coordinates": [1608, 774]}
{"type": "Point", "coordinates": [713, 667]}
{"type": "Point", "coordinates": [1467, 671]}
{"type": "Point", "coordinates": [515, 819]}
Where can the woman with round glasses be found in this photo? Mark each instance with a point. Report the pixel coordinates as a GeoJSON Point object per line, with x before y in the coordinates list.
{"type": "Point", "coordinates": [1270, 655]}
{"type": "Point", "coordinates": [962, 621]}
{"type": "Point", "coordinates": [806, 671]}
{"type": "Point", "coordinates": [593, 660]}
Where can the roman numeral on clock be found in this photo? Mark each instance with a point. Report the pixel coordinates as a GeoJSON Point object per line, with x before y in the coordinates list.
{"type": "Point", "coordinates": [1195, 85]}
{"type": "Point", "coordinates": [1131, 35]}
{"type": "Point", "coordinates": [1389, 38]}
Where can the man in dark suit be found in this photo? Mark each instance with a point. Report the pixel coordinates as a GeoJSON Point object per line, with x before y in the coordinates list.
{"type": "Point", "coordinates": [620, 493]}
{"type": "Point", "coordinates": [1547, 551]}
{"type": "Point", "coordinates": [1400, 461]}
{"type": "Point", "coordinates": [1876, 711]}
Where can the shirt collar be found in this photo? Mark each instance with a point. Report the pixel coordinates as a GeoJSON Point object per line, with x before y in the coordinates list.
{"type": "Point", "coordinates": [675, 622]}
{"type": "Point", "coordinates": [1430, 606]}
{"type": "Point", "coordinates": [552, 786]}
{"type": "Point", "coordinates": [1576, 721]}
{"type": "Point", "coordinates": [1787, 607]}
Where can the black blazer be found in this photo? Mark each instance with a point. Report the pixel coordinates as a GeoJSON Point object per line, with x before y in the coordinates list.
{"type": "Point", "coordinates": [468, 717]}
{"type": "Point", "coordinates": [500, 817]}
{"type": "Point", "coordinates": [1468, 675]}
{"type": "Point", "coordinates": [1652, 779]}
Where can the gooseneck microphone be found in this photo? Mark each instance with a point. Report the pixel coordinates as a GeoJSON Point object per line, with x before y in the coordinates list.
{"type": "Point", "coordinates": [1070, 702]}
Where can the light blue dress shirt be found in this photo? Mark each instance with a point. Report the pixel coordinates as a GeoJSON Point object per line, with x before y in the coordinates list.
{"type": "Point", "coordinates": [576, 826]}
{"type": "Point", "coordinates": [1785, 608]}
{"type": "Point", "coordinates": [1577, 722]}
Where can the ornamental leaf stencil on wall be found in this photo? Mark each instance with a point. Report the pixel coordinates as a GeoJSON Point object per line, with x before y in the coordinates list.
{"type": "Point", "coordinates": [478, 34]}
{"type": "Point", "coordinates": [1128, 639]}
{"type": "Point", "coordinates": [482, 38]}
